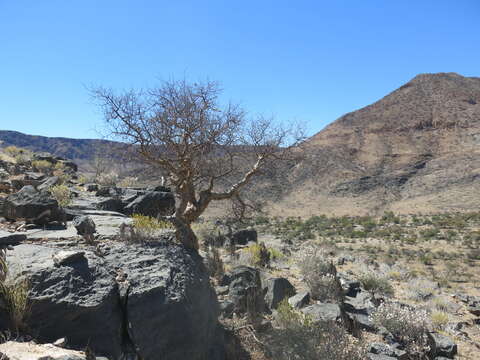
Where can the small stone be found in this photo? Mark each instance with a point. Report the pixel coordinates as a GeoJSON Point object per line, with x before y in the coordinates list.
{"type": "Point", "coordinates": [65, 257]}
{"type": "Point", "coordinates": [300, 300]}
{"type": "Point", "coordinates": [441, 345]}
{"type": "Point", "coordinates": [60, 342]}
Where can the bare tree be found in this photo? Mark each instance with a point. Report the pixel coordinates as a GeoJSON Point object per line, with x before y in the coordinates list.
{"type": "Point", "coordinates": [207, 151]}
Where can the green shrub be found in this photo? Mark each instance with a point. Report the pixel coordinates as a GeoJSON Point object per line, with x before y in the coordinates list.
{"type": "Point", "coordinates": [62, 194]}
{"type": "Point", "coordinates": [42, 166]}
{"type": "Point", "coordinates": [376, 284]}
{"type": "Point", "coordinates": [259, 255]}
{"type": "Point", "coordinates": [148, 225]}
{"type": "Point", "coordinates": [439, 320]}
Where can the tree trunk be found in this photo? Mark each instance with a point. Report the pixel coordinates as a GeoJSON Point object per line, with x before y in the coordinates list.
{"type": "Point", "coordinates": [185, 234]}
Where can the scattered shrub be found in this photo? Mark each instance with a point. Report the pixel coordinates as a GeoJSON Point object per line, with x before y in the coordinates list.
{"type": "Point", "coordinates": [409, 326]}
{"type": "Point", "coordinates": [148, 225]}
{"type": "Point", "coordinates": [107, 179]}
{"type": "Point", "coordinates": [62, 194]}
{"type": "Point", "coordinates": [43, 166]}
{"type": "Point", "coordinates": [321, 277]}
{"type": "Point", "coordinates": [300, 338]}
{"type": "Point", "coordinates": [376, 283]}
{"type": "Point", "coordinates": [439, 320]}
{"type": "Point", "coordinates": [422, 289]}
{"type": "Point", "coordinates": [259, 255]}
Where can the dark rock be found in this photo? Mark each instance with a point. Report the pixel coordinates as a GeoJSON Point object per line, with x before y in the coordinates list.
{"type": "Point", "coordinates": [441, 345]}
{"type": "Point", "coordinates": [48, 183]}
{"type": "Point", "coordinates": [387, 350]}
{"type": "Point", "coordinates": [160, 188]}
{"type": "Point", "coordinates": [30, 175]}
{"type": "Point", "coordinates": [107, 191]}
{"type": "Point", "coordinates": [360, 304]}
{"type": "Point", "coordinates": [277, 290]}
{"type": "Point", "coordinates": [33, 206]}
{"type": "Point", "coordinates": [245, 290]}
{"type": "Point", "coordinates": [155, 297]}
{"type": "Point", "coordinates": [84, 225]}
{"type": "Point", "coordinates": [171, 307]}
{"type": "Point", "coordinates": [361, 321]}
{"type": "Point", "coordinates": [79, 301]}
{"type": "Point", "coordinates": [227, 308]}
{"type": "Point", "coordinates": [324, 312]}
{"type": "Point", "coordinates": [71, 165]}
{"type": "Point", "coordinates": [350, 287]}
{"type": "Point", "coordinates": [243, 237]}
{"type": "Point", "coordinates": [7, 238]}
{"type": "Point", "coordinates": [111, 204]}
{"type": "Point", "coordinates": [221, 290]}
{"type": "Point", "coordinates": [152, 203]}
{"type": "Point", "coordinates": [300, 300]}
{"type": "Point", "coordinates": [91, 187]}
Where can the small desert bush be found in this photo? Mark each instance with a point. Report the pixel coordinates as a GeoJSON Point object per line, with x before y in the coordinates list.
{"type": "Point", "coordinates": [107, 179]}
{"type": "Point", "coordinates": [62, 194]}
{"type": "Point", "coordinates": [422, 289]}
{"type": "Point", "coordinates": [128, 181]}
{"type": "Point", "coordinates": [439, 320]}
{"type": "Point", "coordinates": [409, 326]}
{"type": "Point", "coordinates": [149, 225]}
{"type": "Point", "coordinates": [321, 277]}
{"type": "Point", "coordinates": [301, 338]}
{"type": "Point", "coordinates": [43, 166]}
{"type": "Point", "coordinates": [259, 255]}
{"type": "Point", "coordinates": [376, 283]}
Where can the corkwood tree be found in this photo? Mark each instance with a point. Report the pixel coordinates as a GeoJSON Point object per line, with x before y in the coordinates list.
{"type": "Point", "coordinates": [208, 151]}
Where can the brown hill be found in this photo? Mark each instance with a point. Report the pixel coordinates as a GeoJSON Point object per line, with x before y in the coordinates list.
{"type": "Point", "coordinates": [415, 150]}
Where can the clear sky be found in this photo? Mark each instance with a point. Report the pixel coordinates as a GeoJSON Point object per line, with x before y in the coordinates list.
{"type": "Point", "coordinates": [306, 60]}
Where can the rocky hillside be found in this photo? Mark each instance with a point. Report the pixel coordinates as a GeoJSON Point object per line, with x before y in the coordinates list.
{"type": "Point", "coordinates": [415, 150]}
{"type": "Point", "coordinates": [75, 149]}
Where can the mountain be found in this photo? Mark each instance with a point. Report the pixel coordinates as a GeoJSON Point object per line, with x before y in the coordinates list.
{"type": "Point", "coordinates": [74, 149]}
{"type": "Point", "coordinates": [415, 150]}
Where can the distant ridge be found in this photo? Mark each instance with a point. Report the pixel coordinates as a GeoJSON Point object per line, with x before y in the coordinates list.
{"type": "Point", "coordinates": [74, 149]}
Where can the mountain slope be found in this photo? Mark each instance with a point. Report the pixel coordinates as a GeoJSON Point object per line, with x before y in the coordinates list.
{"type": "Point", "coordinates": [415, 150]}
{"type": "Point", "coordinates": [74, 149]}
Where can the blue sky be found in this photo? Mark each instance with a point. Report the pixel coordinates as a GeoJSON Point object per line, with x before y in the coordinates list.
{"type": "Point", "coordinates": [310, 61]}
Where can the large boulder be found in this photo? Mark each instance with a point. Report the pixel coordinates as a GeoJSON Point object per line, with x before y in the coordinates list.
{"type": "Point", "coordinates": [153, 298]}
{"type": "Point", "coordinates": [171, 308]}
{"type": "Point", "coordinates": [78, 300]}
{"type": "Point", "coordinates": [152, 203]}
{"type": "Point", "coordinates": [277, 290]}
{"type": "Point", "coordinates": [33, 206]}
{"type": "Point", "coordinates": [324, 312]}
{"type": "Point", "coordinates": [243, 237]}
{"type": "Point", "coordinates": [245, 290]}
{"type": "Point", "coordinates": [48, 183]}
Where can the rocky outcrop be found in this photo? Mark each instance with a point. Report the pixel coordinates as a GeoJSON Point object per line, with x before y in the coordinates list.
{"type": "Point", "coordinates": [153, 203]}
{"type": "Point", "coordinates": [153, 298]}
{"type": "Point", "coordinates": [278, 289]}
{"type": "Point", "coordinates": [33, 206]}
{"type": "Point", "coordinates": [78, 300]}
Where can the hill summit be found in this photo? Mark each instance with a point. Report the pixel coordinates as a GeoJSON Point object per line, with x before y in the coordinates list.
{"type": "Point", "coordinates": [415, 150]}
